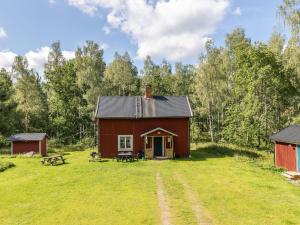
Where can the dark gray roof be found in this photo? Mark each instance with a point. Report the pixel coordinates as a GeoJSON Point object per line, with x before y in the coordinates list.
{"type": "Point", "coordinates": [28, 137]}
{"type": "Point", "coordinates": [290, 135]}
{"type": "Point", "coordinates": [139, 107]}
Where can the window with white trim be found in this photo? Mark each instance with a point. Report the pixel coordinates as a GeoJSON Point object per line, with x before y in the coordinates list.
{"type": "Point", "coordinates": [125, 142]}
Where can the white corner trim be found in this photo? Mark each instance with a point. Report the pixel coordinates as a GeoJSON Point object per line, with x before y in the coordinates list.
{"type": "Point", "coordinates": [40, 147]}
{"type": "Point", "coordinates": [96, 112]}
{"type": "Point", "coordinates": [189, 105]}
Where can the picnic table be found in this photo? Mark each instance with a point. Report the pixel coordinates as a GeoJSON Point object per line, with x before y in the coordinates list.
{"type": "Point", "coordinates": [53, 160]}
{"type": "Point", "coordinates": [125, 155]}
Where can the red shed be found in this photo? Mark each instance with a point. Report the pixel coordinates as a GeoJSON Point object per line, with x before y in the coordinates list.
{"type": "Point", "coordinates": [158, 126]}
{"type": "Point", "coordinates": [287, 148]}
{"type": "Point", "coordinates": [29, 142]}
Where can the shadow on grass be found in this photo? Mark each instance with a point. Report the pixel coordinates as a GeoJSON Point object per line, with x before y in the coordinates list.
{"type": "Point", "coordinates": [6, 165]}
{"type": "Point", "coordinates": [220, 151]}
{"type": "Point", "coordinates": [99, 161]}
{"type": "Point", "coordinates": [57, 164]}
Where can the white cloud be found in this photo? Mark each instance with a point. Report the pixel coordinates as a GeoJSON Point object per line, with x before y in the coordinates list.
{"type": "Point", "coordinates": [173, 29]}
{"type": "Point", "coordinates": [36, 59]}
{"type": "Point", "coordinates": [237, 11]}
{"type": "Point", "coordinates": [106, 29]}
{"type": "Point", "coordinates": [2, 33]}
{"type": "Point", "coordinates": [7, 59]}
{"type": "Point", "coordinates": [68, 54]}
{"type": "Point", "coordinates": [52, 2]}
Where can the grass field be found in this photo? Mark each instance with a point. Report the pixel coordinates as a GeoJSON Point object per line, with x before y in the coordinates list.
{"type": "Point", "coordinates": [233, 186]}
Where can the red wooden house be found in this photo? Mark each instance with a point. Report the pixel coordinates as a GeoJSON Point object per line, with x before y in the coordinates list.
{"type": "Point", "coordinates": [287, 148]}
{"type": "Point", "coordinates": [29, 142]}
{"type": "Point", "coordinates": [159, 126]}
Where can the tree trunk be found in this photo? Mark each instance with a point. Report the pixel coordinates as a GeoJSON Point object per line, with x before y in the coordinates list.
{"type": "Point", "coordinates": [210, 121]}
{"type": "Point", "coordinates": [266, 124]}
{"type": "Point", "coordinates": [219, 132]}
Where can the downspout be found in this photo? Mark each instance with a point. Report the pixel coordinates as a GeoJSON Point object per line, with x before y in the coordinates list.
{"type": "Point", "coordinates": [97, 121]}
{"type": "Point", "coordinates": [189, 150]}
{"type": "Point", "coordinates": [189, 127]}
{"type": "Point", "coordinates": [275, 153]}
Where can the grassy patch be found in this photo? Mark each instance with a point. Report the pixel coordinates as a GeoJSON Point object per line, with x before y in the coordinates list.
{"type": "Point", "coordinates": [235, 186]}
{"type": "Point", "coordinates": [66, 149]}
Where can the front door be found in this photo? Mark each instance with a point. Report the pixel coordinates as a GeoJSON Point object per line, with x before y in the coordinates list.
{"type": "Point", "coordinates": [158, 146]}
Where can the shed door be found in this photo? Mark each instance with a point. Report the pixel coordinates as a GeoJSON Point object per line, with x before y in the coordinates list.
{"type": "Point", "coordinates": [286, 156]}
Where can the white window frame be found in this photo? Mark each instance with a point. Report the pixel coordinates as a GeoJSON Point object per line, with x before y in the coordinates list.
{"type": "Point", "coordinates": [131, 142]}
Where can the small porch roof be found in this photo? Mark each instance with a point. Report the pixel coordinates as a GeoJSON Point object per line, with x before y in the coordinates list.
{"type": "Point", "coordinates": [158, 129]}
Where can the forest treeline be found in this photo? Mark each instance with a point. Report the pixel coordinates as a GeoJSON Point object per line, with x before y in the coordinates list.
{"type": "Point", "coordinates": [240, 92]}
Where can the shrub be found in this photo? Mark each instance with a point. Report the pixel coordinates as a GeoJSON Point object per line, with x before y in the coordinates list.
{"type": "Point", "coordinates": [55, 143]}
{"type": "Point", "coordinates": [3, 141]}
{"type": "Point", "coordinates": [5, 151]}
{"type": "Point", "coordinates": [73, 148]}
{"type": "Point", "coordinates": [6, 165]}
{"type": "Point", "coordinates": [88, 141]}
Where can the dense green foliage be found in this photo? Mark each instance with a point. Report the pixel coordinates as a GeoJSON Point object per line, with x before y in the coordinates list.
{"type": "Point", "coordinates": [241, 92]}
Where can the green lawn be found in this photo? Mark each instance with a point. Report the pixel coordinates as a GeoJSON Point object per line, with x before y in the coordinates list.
{"type": "Point", "coordinates": [233, 186]}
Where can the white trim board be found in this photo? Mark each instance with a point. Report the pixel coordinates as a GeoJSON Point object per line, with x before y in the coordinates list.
{"type": "Point", "coordinates": [157, 129]}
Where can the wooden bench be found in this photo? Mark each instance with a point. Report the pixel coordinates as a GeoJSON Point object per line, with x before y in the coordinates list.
{"type": "Point", "coordinates": [125, 156]}
{"type": "Point", "coordinates": [53, 160]}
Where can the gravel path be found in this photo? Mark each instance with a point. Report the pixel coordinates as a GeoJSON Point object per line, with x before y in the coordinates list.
{"type": "Point", "coordinates": [163, 205]}
{"type": "Point", "coordinates": [202, 218]}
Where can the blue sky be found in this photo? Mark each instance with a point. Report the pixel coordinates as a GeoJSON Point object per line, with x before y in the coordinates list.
{"type": "Point", "coordinates": [175, 30]}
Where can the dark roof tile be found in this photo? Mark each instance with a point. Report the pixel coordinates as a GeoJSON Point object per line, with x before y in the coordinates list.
{"type": "Point", "coordinates": [139, 107]}
{"type": "Point", "coordinates": [28, 137]}
{"type": "Point", "coordinates": [290, 135]}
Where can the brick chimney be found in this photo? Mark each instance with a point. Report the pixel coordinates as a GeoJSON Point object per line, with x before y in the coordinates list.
{"type": "Point", "coordinates": [148, 92]}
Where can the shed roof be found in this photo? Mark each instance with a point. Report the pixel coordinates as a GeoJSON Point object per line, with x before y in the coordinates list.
{"type": "Point", "coordinates": [290, 135]}
{"type": "Point", "coordinates": [28, 137]}
{"type": "Point", "coordinates": [139, 107]}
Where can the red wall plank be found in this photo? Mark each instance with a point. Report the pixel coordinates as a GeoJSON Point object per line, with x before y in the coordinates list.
{"type": "Point", "coordinates": [109, 129]}
{"type": "Point", "coordinates": [286, 156]}
{"type": "Point", "coordinates": [20, 147]}
{"type": "Point", "coordinates": [44, 147]}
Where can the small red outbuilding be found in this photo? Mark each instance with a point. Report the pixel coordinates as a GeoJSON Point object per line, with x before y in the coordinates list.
{"type": "Point", "coordinates": [287, 148]}
{"type": "Point", "coordinates": [29, 142]}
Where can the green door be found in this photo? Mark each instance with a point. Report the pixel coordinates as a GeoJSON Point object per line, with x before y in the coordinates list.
{"type": "Point", "coordinates": [158, 148]}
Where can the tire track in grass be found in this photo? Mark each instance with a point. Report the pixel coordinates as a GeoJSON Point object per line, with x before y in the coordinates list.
{"type": "Point", "coordinates": [201, 216]}
{"type": "Point", "coordinates": [163, 205]}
